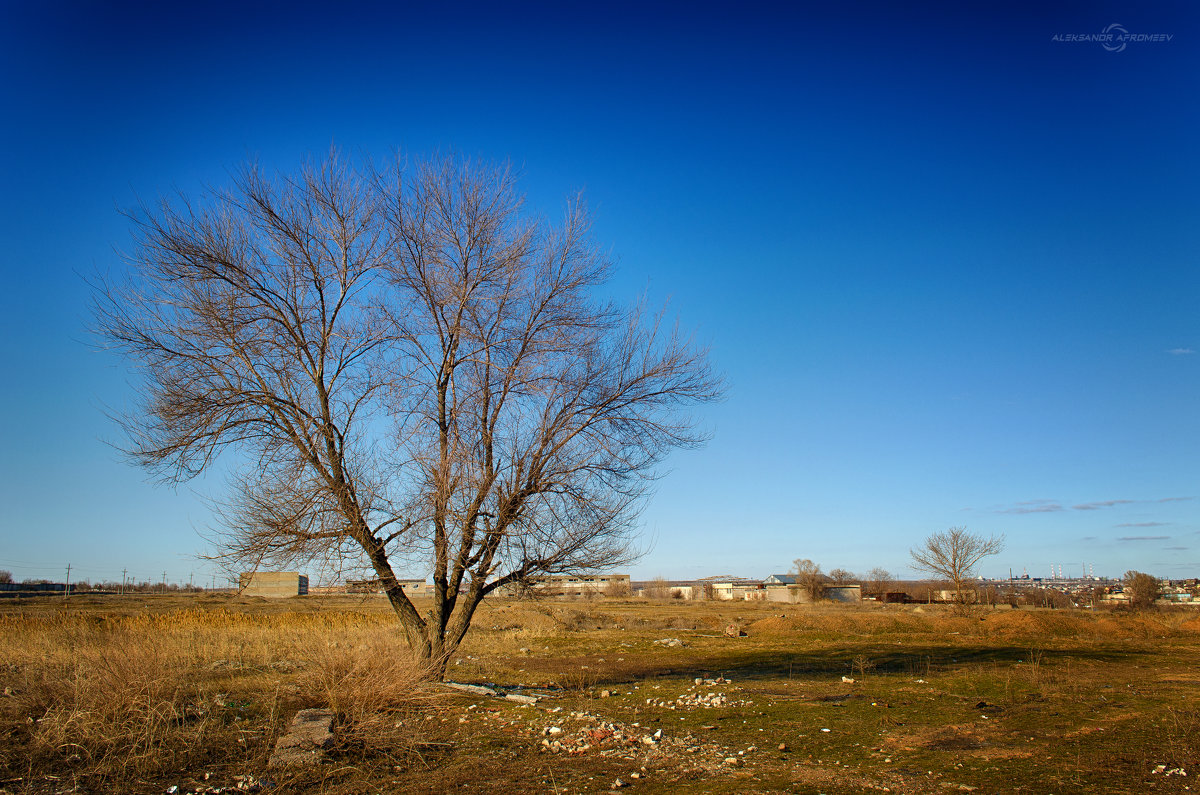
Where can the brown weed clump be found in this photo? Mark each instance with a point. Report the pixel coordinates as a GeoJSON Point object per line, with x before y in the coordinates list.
{"type": "Point", "coordinates": [101, 696]}
{"type": "Point", "coordinates": [360, 675]}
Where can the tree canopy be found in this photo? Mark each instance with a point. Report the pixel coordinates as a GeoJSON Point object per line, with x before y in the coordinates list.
{"type": "Point", "coordinates": [413, 370]}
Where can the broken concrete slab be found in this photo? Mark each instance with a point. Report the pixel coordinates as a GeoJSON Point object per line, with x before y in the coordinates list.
{"type": "Point", "coordinates": [479, 690]}
{"type": "Point", "coordinates": [310, 734]}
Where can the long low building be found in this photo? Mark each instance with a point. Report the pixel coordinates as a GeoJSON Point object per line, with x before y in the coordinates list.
{"type": "Point", "coordinates": [273, 584]}
{"type": "Point", "coordinates": [798, 594]}
{"type": "Point", "coordinates": [572, 585]}
{"type": "Point", "coordinates": [411, 587]}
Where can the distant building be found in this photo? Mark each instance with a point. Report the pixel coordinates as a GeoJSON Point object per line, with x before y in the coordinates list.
{"type": "Point", "coordinates": [798, 594]}
{"type": "Point", "coordinates": [1177, 597]}
{"type": "Point", "coordinates": [273, 584]}
{"type": "Point", "coordinates": [411, 587]}
{"type": "Point", "coordinates": [572, 585]}
{"type": "Point", "coordinates": [969, 595]}
{"type": "Point", "coordinates": [843, 593]}
{"type": "Point", "coordinates": [666, 589]}
{"type": "Point", "coordinates": [737, 589]}
{"type": "Point", "coordinates": [780, 579]}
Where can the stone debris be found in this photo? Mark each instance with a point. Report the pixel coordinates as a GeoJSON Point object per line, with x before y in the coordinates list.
{"type": "Point", "coordinates": [670, 642]}
{"type": "Point", "coordinates": [576, 733]}
{"type": "Point", "coordinates": [1164, 770]}
{"type": "Point", "coordinates": [694, 699]}
{"type": "Point", "coordinates": [310, 734]}
{"type": "Point", "coordinates": [734, 631]}
{"type": "Point", "coordinates": [520, 699]}
{"type": "Point", "coordinates": [562, 731]}
{"type": "Point", "coordinates": [847, 680]}
{"type": "Point", "coordinates": [241, 785]}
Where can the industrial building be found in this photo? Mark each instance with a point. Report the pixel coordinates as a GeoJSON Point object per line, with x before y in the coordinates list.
{"type": "Point", "coordinates": [571, 585]}
{"type": "Point", "coordinates": [273, 584]}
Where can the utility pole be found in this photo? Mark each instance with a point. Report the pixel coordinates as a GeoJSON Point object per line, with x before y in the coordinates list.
{"type": "Point", "coordinates": [190, 580]}
{"type": "Point", "coordinates": [67, 589]}
{"type": "Point", "coordinates": [123, 572]}
{"type": "Point", "coordinates": [164, 582]}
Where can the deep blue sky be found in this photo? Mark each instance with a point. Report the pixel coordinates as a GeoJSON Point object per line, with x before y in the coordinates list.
{"type": "Point", "coordinates": [948, 264]}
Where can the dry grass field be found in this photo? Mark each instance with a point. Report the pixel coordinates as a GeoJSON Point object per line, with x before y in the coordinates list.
{"type": "Point", "coordinates": [138, 695]}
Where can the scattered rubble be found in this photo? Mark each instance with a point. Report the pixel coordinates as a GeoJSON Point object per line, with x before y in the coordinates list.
{"type": "Point", "coordinates": [573, 733]}
{"type": "Point", "coordinates": [670, 642]}
{"type": "Point", "coordinates": [241, 785]}
{"type": "Point", "coordinates": [694, 699]}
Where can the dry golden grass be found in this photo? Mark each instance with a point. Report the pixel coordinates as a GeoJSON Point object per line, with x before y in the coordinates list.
{"type": "Point", "coordinates": [109, 697]}
{"type": "Point", "coordinates": [135, 695]}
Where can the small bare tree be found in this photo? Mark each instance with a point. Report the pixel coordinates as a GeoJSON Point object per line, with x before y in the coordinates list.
{"type": "Point", "coordinates": [658, 588]}
{"type": "Point", "coordinates": [412, 372]}
{"type": "Point", "coordinates": [953, 555]}
{"type": "Point", "coordinates": [877, 582]}
{"type": "Point", "coordinates": [1143, 589]}
{"type": "Point", "coordinates": [809, 577]}
{"type": "Point", "coordinates": [841, 576]}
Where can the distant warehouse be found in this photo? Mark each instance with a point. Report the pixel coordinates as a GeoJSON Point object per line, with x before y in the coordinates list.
{"type": "Point", "coordinates": [570, 585]}
{"type": "Point", "coordinates": [273, 584]}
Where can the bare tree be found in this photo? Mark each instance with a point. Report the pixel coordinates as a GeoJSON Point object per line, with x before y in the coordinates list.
{"type": "Point", "coordinates": [1143, 589]}
{"type": "Point", "coordinates": [877, 581]}
{"type": "Point", "coordinates": [809, 577]}
{"type": "Point", "coordinates": [658, 588]}
{"type": "Point", "coordinates": [840, 576]}
{"type": "Point", "coordinates": [412, 372]}
{"type": "Point", "coordinates": [954, 555]}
